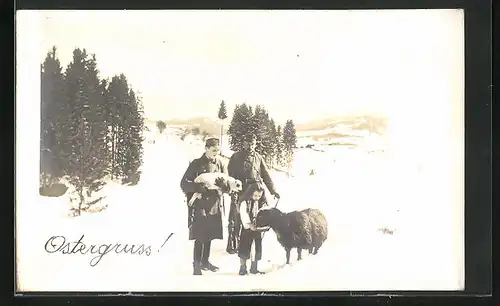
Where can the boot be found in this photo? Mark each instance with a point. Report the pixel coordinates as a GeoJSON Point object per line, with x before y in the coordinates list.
{"type": "Point", "coordinates": [205, 264]}
{"type": "Point", "coordinates": [253, 268]}
{"type": "Point", "coordinates": [243, 267]}
{"type": "Point", "coordinates": [208, 266]}
{"type": "Point", "coordinates": [197, 268]}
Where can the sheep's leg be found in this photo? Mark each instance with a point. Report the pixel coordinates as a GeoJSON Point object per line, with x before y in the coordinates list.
{"type": "Point", "coordinates": [288, 255]}
{"type": "Point", "coordinates": [316, 249]}
{"type": "Point", "coordinates": [311, 250]}
{"type": "Point", "coordinates": [299, 253]}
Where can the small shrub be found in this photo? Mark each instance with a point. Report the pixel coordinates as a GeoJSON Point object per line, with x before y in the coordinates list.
{"type": "Point", "coordinates": [386, 231]}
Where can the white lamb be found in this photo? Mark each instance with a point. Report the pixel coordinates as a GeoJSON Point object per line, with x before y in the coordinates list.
{"type": "Point", "coordinates": [216, 181]}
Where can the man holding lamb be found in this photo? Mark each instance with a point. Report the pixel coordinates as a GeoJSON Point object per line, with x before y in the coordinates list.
{"type": "Point", "coordinates": [204, 204]}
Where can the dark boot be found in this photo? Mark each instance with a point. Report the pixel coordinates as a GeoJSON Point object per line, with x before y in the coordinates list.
{"type": "Point", "coordinates": [205, 264]}
{"type": "Point", "coordinates": [209, 266]}
{"type": "Point", "coordinates": [197, 268]}
{"type": "Point", "coordinates": [197, 252]}
{"type": "Point", "coordinates": [253, 268]}
{"type": "Point", "coordinates": [243, 267]}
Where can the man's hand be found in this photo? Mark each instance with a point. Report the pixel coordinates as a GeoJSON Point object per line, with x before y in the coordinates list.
{"type": "Point", "coordinates": [253, 227]}
{"type": "Point", "coordinates": [222, 184]}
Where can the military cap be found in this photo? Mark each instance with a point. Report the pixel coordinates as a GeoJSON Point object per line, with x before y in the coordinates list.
{"type": "Point", "coordinates": [211, 142]}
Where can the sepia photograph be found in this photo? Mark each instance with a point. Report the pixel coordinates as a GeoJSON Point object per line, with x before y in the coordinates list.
{"type": "Point", "coordinates": [239, 150]}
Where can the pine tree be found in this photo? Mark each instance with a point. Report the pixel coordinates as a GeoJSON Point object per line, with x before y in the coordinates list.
{"type": "Point", "coordinates": [96, 114]}
{"type": "Point", "coordinates": [260, 127]}
{"type": "Point", "coordinates": [76, 105]}
{"type": "Point", "coordinates": [52, 100]}
{"type": "Point", "coordinates": [118, 99]}
{"type": "Point", "coordinates": [289, 142]}
{"type": "Point", "coordinates": [222, 115]}
{"type": "Point", "coordinates": [240, 126]}
{"type": "Point", "coordinates": [126, 128]}
{"type": "Point", "coordinates": [267, 132]}
{"type": "Point", "coordinates": [133, 127]}
{"type": "Point", "coordinates": [107, 118]}
{"type": "Point", "coordinates": [256, 128]}
{"type": "Point", "coordinates": [279, 158]}
{"type": "Point", "coordinates": [271, 143]}
{"type": "Point", "coordinates": [85, 174]}
{"type": "Point", "coordinates": [233, 128]}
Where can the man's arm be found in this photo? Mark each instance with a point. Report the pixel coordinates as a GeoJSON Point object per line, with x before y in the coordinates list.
{"type": "Point", "coordinates": [187, 182]}
{"type": "Point", "coordinates": [266, 177]}
{"type": "Point", "coordinates": [232, 166]}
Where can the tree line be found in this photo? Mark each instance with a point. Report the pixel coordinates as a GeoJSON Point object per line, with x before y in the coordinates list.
{"type": "Point", "coordinates": [195, 131]}
{"type": "Point", "coordinates": [274, 143]}
{"type": "Point", "coordinates": [91, 128]}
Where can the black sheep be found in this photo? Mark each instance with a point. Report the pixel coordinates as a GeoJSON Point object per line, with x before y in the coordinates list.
{"type": "Point", "coordinates": [305, 229]}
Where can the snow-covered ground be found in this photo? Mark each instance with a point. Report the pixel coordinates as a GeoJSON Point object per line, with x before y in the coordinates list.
{"type": "Point", "coordinates": [359, 191]}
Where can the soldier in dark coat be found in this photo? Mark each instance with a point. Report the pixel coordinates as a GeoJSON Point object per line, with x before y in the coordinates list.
{"type": "Point", "coordinates": [204, 216]}
{"type": "Point", "coordinates": [249, 167]}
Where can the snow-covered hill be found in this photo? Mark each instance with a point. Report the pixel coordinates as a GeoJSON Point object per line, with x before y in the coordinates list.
{"type": "Point", "coordinates": [360, 191]}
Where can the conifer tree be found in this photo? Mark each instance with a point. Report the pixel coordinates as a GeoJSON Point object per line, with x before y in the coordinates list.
{"type": "Point", "coordinates": [52, 100]}
{"type": "Point", "coordinates": [107, 118]}
{"type": "Point", "coordinates": [85, 174]}
{"type": "Point", "coordinates": [222, 115]}
{"type": "Point", "coordinates": [255, 127]}
{"type": "Point", "coordinates": [96, 114]}
{"type": "Point", "coordinates": [233, 128]}
{"type": "Point", "coordinates": [76, 105]}
{"type": "Point", "coordinates": [279, 158]}
{"type": "Point", "coordinates": [118, 99]}
{"type": "Point", "coordinates": [271, 142]}
{"type": "Point", "coordinates": [260, 128]}
{"type": "Point", "coordinates": [126, 126]}
{"type": "Point", "coordinates": [240, 126]}
{"type": "Point", "coordinates": [289, 142]}
{"type": "Point", "coordinates": [132, 144]}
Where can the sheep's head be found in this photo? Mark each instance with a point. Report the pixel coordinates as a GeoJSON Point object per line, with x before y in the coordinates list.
{"type": "Point", "coordinates": [267, 217]}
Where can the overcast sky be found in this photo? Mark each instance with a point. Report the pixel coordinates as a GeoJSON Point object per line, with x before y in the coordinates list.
{"type": "Point", "coordinates": [302, 65]}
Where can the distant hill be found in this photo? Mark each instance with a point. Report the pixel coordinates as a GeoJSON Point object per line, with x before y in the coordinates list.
{"type": "Point", "coordinates": [204, 124]}
{"type": "Point", "coordinates": [371, 124]}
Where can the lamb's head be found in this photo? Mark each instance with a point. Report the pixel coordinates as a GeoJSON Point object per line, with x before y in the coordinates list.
{"type": "Point", "coordinates": [268, 217]}
{"type": "Point", "coordinates": [229, 185]}
{"type": "Point", "coordinates": [235, 185]}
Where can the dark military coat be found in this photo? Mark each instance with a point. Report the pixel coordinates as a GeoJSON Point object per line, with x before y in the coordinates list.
{"type": "Point", "coordinates": [204, 217]}
{"type": "Point", "coordinates": [249, 168]}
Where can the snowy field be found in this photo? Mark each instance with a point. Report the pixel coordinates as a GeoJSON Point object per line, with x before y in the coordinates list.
{"type": "Point", "coordinates": [359, 192]}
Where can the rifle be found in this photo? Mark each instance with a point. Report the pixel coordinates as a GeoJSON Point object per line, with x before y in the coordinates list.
{"type": "Point", "coordinates": [231, 239]}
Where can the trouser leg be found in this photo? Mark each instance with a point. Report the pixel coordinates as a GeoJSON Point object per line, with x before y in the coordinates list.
{"type": "Point", "coordinates": [206, 252]}
{"type": "Point", "coordinates": [258, 256]}
{"type": "Point", "coordinates": [205, 263]}
{"type": "Point", "coordinates": [197, 254]}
